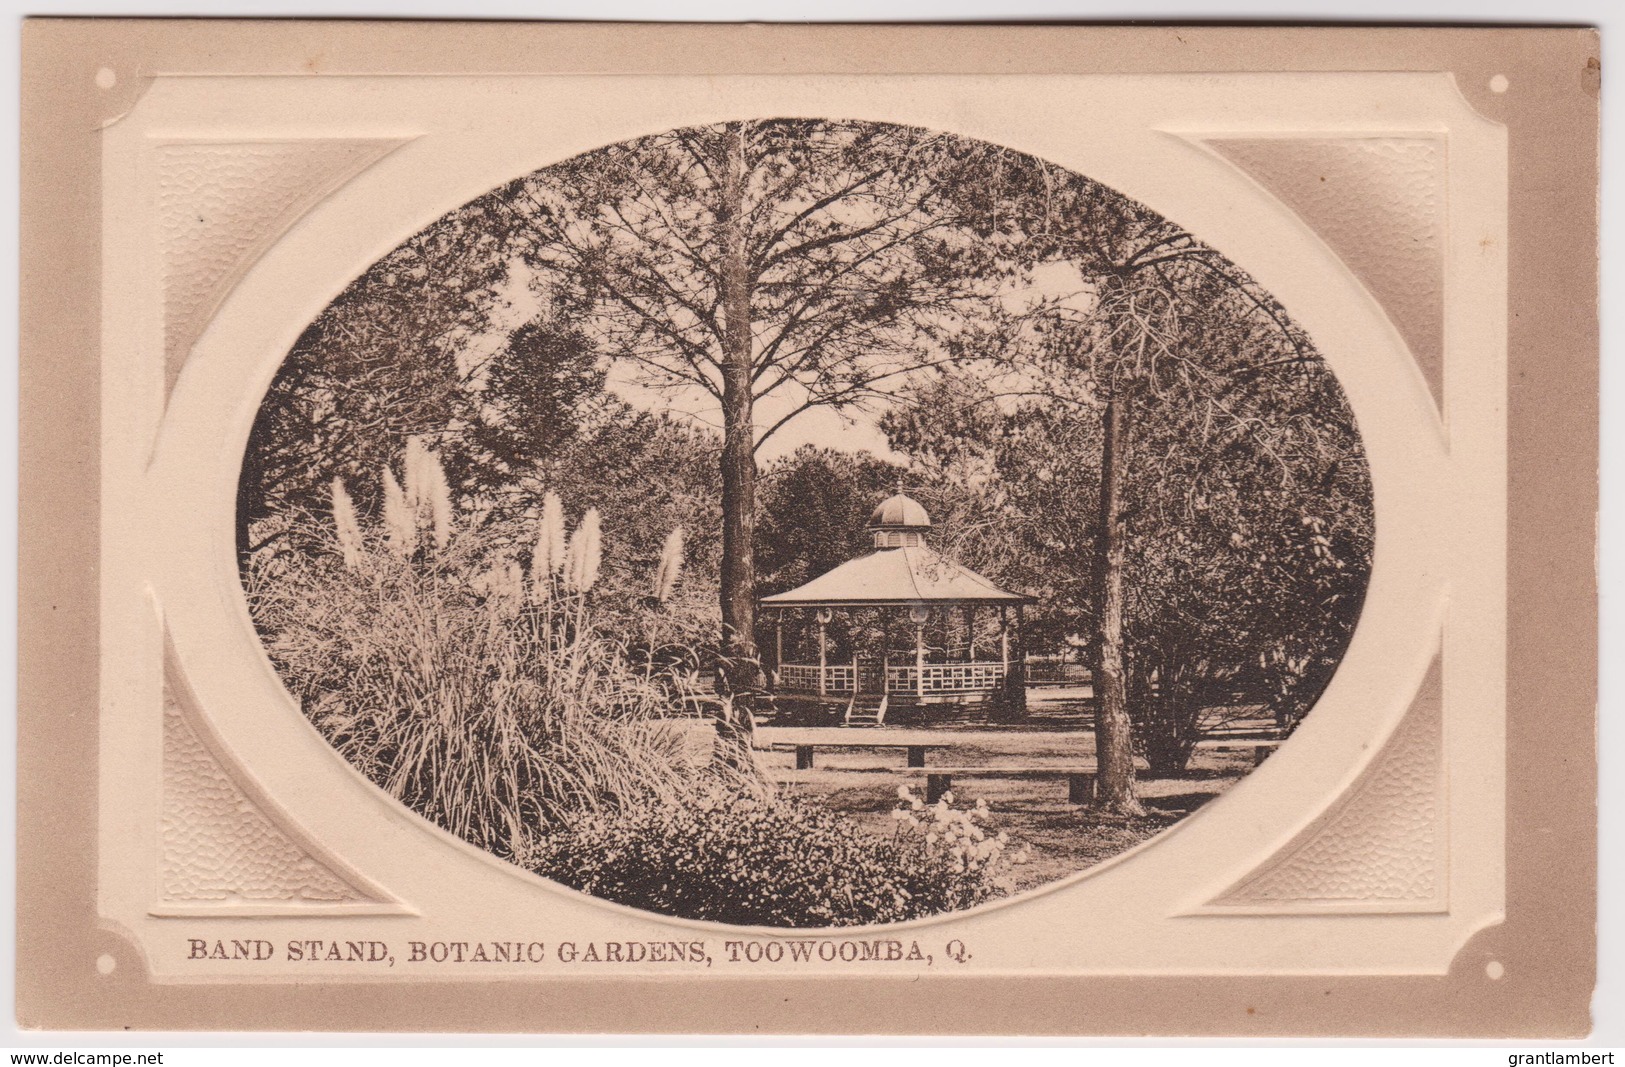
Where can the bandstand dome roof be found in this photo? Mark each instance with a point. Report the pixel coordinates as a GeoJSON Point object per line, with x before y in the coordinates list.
{"type": "Point", "coordinates": [909, 573]}
{"type": "Point", "coordinates": [900, 512]}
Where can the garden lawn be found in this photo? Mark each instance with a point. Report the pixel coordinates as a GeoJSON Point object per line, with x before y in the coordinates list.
{"type": "Point", "coordinates": [1062, 838]}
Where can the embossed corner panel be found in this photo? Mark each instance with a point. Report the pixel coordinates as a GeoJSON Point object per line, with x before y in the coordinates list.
{"type": "Point", "coordinates": [1380, 844]}
{"type": "Point", "coordinates": [222, 203]}
{"type": "Point", "coordinates": [219, 847]}
{"type": "Point", "coordinates": [1379, 203]}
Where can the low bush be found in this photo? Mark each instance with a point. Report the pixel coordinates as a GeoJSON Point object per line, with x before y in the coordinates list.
{"type": "Point", "coordinates": [762, 860]}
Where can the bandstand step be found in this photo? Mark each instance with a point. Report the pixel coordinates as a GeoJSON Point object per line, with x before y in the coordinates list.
{"type": "Point", "coordinates": [865, 710]}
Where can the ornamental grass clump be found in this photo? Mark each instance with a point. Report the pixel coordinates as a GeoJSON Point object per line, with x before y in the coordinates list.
{"type": "Point", "coordinates": [430, 662]}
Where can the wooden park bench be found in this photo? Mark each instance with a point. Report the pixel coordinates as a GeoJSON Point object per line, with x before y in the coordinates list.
{"type": "Point", "coordinates": [804, 750]}
{"type": "Point", "coordinates": [1261, 746]}
{"type": "Point", "coordinates": [1080, 781]}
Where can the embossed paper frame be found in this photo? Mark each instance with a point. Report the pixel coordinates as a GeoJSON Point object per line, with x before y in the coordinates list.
{"type": "Point", "coordinates": [88, 958]}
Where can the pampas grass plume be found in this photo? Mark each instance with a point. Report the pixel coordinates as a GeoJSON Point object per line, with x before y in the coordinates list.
{"type": "Point", "coordinates": [417, 481]}
{"type": "Point", "coordinates": [348, 527]}
{"type": "Point", "coordinates": [428, 492]}
{"type": "Point", "coordinates": [671, 565]}
{"type": "Point", "coordinates": [553, 525]}
{"type": "Point", "coordinates": [440, 511]}
{"type": "Point", "coordinates": [586, 552]}
{"type": "Point", "coordinates": [548, 557]}
{"type": "Point", "coordinates": [399, 522]}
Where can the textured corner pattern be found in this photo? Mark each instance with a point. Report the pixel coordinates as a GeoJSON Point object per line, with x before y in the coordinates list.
{"type": "Point", "coordinates": [1379, 203]}
{"type": "Point", "coordinates": [222, 204]}
{"type": "Point", "coordinates": [1379, 844]}
{"type": "Point", "coordinates": [218, 846]}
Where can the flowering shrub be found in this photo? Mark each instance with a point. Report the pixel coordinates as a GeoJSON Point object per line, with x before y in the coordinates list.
{"type": "Point", "coordinates": [958, 834]}
{"type": "Point", "coordinates": [763, 860]}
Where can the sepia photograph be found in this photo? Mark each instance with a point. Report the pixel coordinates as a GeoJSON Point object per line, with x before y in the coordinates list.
{"type": "Point", "coordinates": [805, 522]}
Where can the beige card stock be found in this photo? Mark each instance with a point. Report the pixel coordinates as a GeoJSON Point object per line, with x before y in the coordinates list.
{"type": "Point", "coordinates": [1416, 859]}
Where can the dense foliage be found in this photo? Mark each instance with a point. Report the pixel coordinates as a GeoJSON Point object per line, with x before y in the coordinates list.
{"type": "Point", "coordinates": [761, 860]}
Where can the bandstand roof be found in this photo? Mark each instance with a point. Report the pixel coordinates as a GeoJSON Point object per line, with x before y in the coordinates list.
{"type": "Point", "coordinates": [899, 512]}
{"type": "Point", "coordinates": [894, 576]}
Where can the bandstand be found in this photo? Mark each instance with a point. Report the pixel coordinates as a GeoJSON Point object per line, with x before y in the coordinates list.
{"type": "Point", "coordinates": [965, 633]}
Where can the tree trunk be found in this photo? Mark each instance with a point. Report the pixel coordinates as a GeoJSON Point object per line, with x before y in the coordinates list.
{"type": "Point", "coordinates": [1114, 743]}
{"type": "Point", "coordinates": [740, 674]}
{"type": "Point", "coordinates": [1016, 673]}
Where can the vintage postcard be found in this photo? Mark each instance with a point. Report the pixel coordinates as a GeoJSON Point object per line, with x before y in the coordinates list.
{"type": "Point", "coordinates": [876, 530]}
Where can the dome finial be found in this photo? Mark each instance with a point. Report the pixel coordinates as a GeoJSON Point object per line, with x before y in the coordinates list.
{"type": "Point", "coordinates": [899, 522]}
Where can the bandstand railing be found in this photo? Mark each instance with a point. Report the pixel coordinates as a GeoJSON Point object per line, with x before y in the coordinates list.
{"type": "Point", "coordinates": [803, 678]}
{"type": "Point", "coordinates": [931, 679]}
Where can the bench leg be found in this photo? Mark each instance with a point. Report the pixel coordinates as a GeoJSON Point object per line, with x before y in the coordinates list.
{"type": "Point", "coordinates": [916, 755]}
{"type": "Point", "coordinates": [1080, 788]}
{"type": "Point", "coordinates": [1260, 754]}
{"type": "Point", "coordinates": [804, 755]}
{"type": "Point", "coordinates": [935, 786]}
